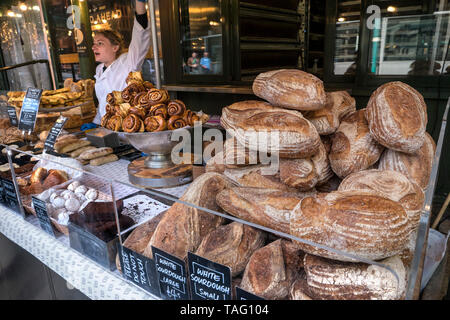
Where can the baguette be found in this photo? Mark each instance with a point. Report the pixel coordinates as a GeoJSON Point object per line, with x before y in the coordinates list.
{"type": "Point", "coordinates": [76, 153]}
{"type": "Point", "coordinates": [104, 160]}
{"type": "Point", "coordinates": [97, 153]}
{"type": "Point", "coordinates": [75, 145]}
{"type": "Point", "coordinates": [65, 142]}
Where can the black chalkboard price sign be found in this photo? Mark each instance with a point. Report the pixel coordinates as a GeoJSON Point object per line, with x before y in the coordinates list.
{"type": "Point", "coordinates": [29, 110]}
{"type": "Point", "coordinates": [171, 273]}
{"type": "Point", "coordinates": [209, 280]}
{"type": "Point", "coordinates": [13, 116]}
{"type": "Point", "coordinates": [11, 199]}
{"type": "Point", "coordinates": [138, 269]}
{"type": "Point", "coordinates": [40, 207]}
{"type": "Point", "coordinates": [54, 133]}
{"type": "Point", "coordinates": [245, 295]}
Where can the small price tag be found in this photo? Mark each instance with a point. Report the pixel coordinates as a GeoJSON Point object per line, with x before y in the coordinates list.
{"type": "Point", "coordinates": [40, 207]}
{"type": "Point", "coordinates": [13, 116]}
{"type": "Point", "coordinates": [29, 111]}
{"type": "Point", "coordinates": [245, 295]}
{"type": "Point", "coordinates": [11, 199]}
{"type": "Point", "coordinates": [139, 269]}
{"type": "Point", "coordinates": [171, 273]}
{"type": "Point", "coordinates": [209, 280]}
{"type": "Point", "coordinates": [54, 133]}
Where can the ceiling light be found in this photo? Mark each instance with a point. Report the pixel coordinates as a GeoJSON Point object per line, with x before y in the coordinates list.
{"type": "Point", "coordinates": [341, 19]}
{"type": "Point", "coordinates": [391, 9]}
{"type": "Point", "coordinates": [36, 8]}
{"type": "Point", "coordinates": [23, 7]}
{"type": "Point", "coordinates": [10, 13]}
{"type": "Point", "coordinates": [104, 21]}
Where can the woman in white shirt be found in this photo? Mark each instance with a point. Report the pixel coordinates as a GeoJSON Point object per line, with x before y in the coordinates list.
{"type": "Point", "coordinates": [114, 67]}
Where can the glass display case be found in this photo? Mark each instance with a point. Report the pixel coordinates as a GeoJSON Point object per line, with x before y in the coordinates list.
{"type": "Point", "coordinates": [143, 236]}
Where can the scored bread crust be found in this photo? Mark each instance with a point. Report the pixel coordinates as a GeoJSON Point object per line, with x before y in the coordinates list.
{"type": "Point", "coordinates": [247, 120]}
{"type": "Point", "coordinates": [397, 117]}
{"type": "Point", "coordinates": [362, 223]}
{"type": "Point", "coordinates": [290, 88]}
{"type": "Point", "coordinates": [353, 148]}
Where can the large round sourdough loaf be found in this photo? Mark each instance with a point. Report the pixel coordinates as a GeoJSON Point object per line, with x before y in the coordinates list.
{"type": "Point", "coordinates": [361, 223]}
{"type": "Point", "coordinates": [397, 117]}
{"type": "Point", "coordinates": [290, 88]}
{"type": "Point", "coordinates": [417, 167]}
{"type": "Point", "coordinates": [353, 148]}
{"type": "Point", "coordinates": [393, 185]}
{"type": "Point", "coordinates": [261, 127]}
{"type": "Point", "coordinates": [333, 280]}
{"type": "Point", "coordinates": [327, 119]}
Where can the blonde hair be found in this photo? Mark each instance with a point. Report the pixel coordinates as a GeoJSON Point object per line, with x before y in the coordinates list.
{"type": "Point", "coordinates": [114, 37]}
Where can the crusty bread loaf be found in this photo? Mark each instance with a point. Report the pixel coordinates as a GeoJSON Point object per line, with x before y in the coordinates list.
{"type": "Point", "coordinates": [231, 245]}
{"type": "Point", "coordinates": [96, 153]}
{"type": "Point", "coordinates": [290, 88]}
{"type": "Point", "coordinates": [183, 226]}
{"type": "Point", "coordinates": [322, 165]}
{"type": "Point", "coordinates": [327, 119]}
{"type": "Point", "coordinates": [267, 275]}
{"type": "Point", "coordinates": [362, 223]}
{"type": "Point", "coordinates": [252, 176]}
{"type": "Point", "coordinates": [393, 185]}
{"type": "Point", "coordinates": [266, 207]}
{"type": "Point", "coordinates": [261, 127]}
{"type": "Point", "coordinates": [215, 164]}
{"type": "Point", "coordinates": [140, 237]}
{"type": "Point", "coordinates": [353, 148]}
{"type": "Point", "coordinates": [298, 173]}
{"type": "Point", "coordinates": [333, 280]}
{"type": "Point", "coordinates": [417, 166]}
{"type": "Point", "coordinates": [397, 117]}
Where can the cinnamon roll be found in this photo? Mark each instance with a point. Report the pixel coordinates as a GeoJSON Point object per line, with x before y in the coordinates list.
{"type": "Point", "coordinates": [176, 108]}
{"type": "Point", "coordinates": [110, 109]}
{"type": "Point", "coordinates": [190, 117]}
{"type": "Point", "coordinates": [158, 110]}
{"type": "Point", "coordinates": [157, 96]}
{"type": "Point", "coordinates": [139, 111]}
{"type": "Point", "coordinates": [105, 119]}
{"type": "Point", "coordinates": [122, 109]}
{"type": "Point", "coordinates": [137, 98]}
{"type": "Point", "coordinates": [117, 97]}
{"type": "Point", "coordinates": [131, 91]}
{"type": "Point", "coordinates": [133, 123]}
{"type": "Point", "coordinates": [176, 122]}
{"type": "Point", "coordinates": [115, 123]}
{"type": "Point", "coordinates": [148, 85]}
{"type": "Point", "coordinates": [110, 99]}
{"type": "Point", "coordinates": [155, 124]}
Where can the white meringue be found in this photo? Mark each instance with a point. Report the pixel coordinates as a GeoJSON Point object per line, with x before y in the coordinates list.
{"type": "Point", "coordinates": [59, 202]}
{"type": "Point", "coordinates": [91, 194]}
{"type": "Point", "coordinates": [72, 204]}
{"type": "Point", "coordinates": [73, 186]}
{"type": "Point", "coordinates": [81, 189]}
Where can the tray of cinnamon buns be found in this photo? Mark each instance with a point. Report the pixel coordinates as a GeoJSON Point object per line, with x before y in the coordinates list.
{"type": "Point", "coordinates": [141, 107]}
{"type": "Point", "coordinates": [350, 184]}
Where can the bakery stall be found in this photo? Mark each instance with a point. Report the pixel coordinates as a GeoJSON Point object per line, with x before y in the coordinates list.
{"type": "Point", "coordinates": [120, 213]}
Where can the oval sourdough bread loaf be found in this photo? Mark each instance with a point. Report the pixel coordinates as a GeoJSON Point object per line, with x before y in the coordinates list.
{"type": "Point", "coordinates": [393, 185]}
{"type": "Point", "coordinates": [333, 280]}
{"type": "Point", "coordinates": [290, 88]}
{"type": "Point", "coordinates": [261, 127]}
{"type": "Point", "coordinates": [327, 119]}
{"type": "Point", "coordinates": [353, 148]}
{"type": "Point", "coordinates": [361, 223]}
{"type": "Point", "coordinates": [298, 173]}
{"type": "Point", "coordinates": [231, 245]}
{"type": "Point", "coordinates": [397, 117]}
{"type": "Point", "coordinates": [417, 166]}
{"type": "Point", "coordinates": [266, 207]}
{"type": "Point", "coordinates": [183, 227]}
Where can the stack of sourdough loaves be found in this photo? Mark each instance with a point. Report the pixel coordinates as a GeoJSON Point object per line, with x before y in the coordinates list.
{"type": "Point", "coordinates": [351, 181]}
